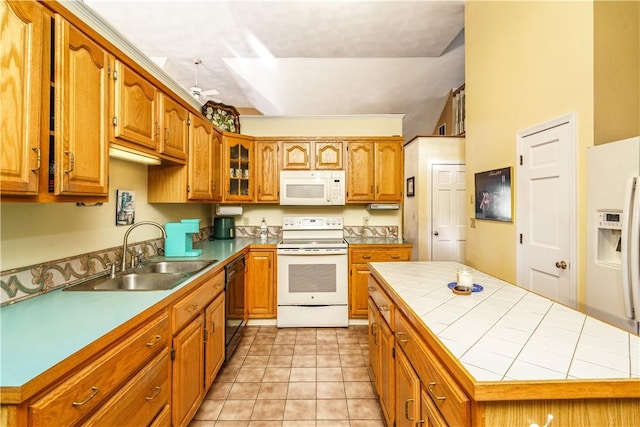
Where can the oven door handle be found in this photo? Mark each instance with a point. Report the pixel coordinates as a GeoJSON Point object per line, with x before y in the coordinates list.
{"type": "Point", "coordinates": [311, 252]}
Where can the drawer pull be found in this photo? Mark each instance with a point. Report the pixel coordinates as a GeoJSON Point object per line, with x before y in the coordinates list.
{"type": "Point", "coordinates": [395, 256]}
{"type": "Point", "coordinates": [94, 391]}
{"type": "Point", "coordinates": [155, 341]}
{"type": "Point", "coordinates": [366, 256]}
{"type": "Point", "coordinates": [213, 327]}
{"type": "Point", "coordinates": [406, 409]}
{"type": "Point", "coordinates": [192, 308]}
{"type": "Point", "coordinates": [398, 335]}
{"type": "Point", "coordinates": [384, 307]}
{"type": "Point", "coordinates": [38, 158]}
{"type": "Point", "coordinates": [430, 390]}
{"type": "Point", "coordinates": [374, 333]}
{"type": "Point", "coordinates": [371, 289]}
{"type": "Point", "coordinates": [72, 161]}
{"type": "Point", "coordinates": [157, 393]}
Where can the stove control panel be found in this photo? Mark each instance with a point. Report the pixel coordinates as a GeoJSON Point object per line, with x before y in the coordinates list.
{"type": "Point", "coordinates": [312, 223]}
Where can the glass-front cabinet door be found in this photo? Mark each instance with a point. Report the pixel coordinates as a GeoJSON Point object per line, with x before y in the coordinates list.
{"type": "Point", "coordinates": [239, 170]}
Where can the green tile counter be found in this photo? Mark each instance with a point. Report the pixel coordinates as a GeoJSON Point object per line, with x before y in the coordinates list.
{"type": "Point", "coordinates": [40, 332]}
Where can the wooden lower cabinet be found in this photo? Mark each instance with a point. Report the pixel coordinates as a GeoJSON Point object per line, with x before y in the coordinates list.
{"type": "Point", "coordinates": [261, 284]}
{"type": "Point", "coordinates": [429, 414]}
{"type": "Point", "coordinates": [407, 392]}
{"type": "Point", "coordinates": [359, 256]}
{"type": "Point", "coordinates": [214, 341]}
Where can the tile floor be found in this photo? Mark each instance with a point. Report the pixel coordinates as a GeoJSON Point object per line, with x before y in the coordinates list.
{"type": "Point", "coordinates": [294, 377]}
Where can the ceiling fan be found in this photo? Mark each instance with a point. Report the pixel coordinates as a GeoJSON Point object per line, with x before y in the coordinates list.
{"type": "Point", "coordinates": [197, 92]}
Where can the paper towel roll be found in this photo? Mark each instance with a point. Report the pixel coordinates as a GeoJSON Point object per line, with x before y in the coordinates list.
{"type": "Point", "coordinates": [228, 209]}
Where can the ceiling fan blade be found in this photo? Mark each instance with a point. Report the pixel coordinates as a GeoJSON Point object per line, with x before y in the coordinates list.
{"type": "Point", "coordinates": [210, 92]}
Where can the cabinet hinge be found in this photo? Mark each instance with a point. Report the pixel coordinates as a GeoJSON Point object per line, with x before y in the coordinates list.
{"type": "Point", "coordinates": [115, 75]}
{"type": "Point", "coordinates": [520, 160]}
{"type": "Point", "coordinates": [173, 354]}
{"type": "Point", "coordinates": [108, 70]}
{"type": "Point", "coordinates": [115, 120]}
{"type": "Point", "coordinates": [188, 189]}
{"type": "Point", "coordinates": [188, 122]}
{"type": "Point", "coordinates": [393, 352]}
{"type": "Point", "coordinates": [520, 238]}
{"type": "Point", "coordinates": [206, 334]}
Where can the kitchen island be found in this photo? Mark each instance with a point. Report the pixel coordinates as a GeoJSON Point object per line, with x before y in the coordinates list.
{"type": "Point", "coordinates": [502, 356]}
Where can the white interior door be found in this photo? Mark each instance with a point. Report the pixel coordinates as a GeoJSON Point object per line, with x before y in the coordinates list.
{"type": "Point", "coordinates": [448, 231]}
{"type": "Point", "coordinates": [546, 210]}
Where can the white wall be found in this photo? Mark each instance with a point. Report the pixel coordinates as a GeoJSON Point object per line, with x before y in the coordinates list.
{"type": "Point", "coordinates": [420, 154]}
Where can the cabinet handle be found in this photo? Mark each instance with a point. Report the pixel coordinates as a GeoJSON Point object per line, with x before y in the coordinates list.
{"type": "Point", "coordinates": [366, 256]}
{"type": "Point", "coordinates": [192, 308]}
{"type": "Point", "coordinates": [430, 390]}
{"type": "Point", "coordinates": [94, 391]}
{"type": "Point", "coordinates": [213, 327]}
{"type": "Point", "coordinates": [72, 161]}
{"type": "Point", "coordinates": [371, 289]}
{"type": "Point", "coordinates": [420, 422]}
{"type": "Point", "coordinates": [38, 158]}
{"type": "Point", "coordinates": [384, 307]}
{"type": "Point", "coordinates": [406, 409]}
{"type": "Point", "coordinates": [166, 134]}
{"type": "Point", "coordinates": [157, 133]}
{"type": "Point", "coordinates": [395, 256]}
{"type": "Point", "coordinates": [155, 341]}
{"type": "Point", "coordinates": [398, 335]}
{"type": "Point", "coordinates": [374, 333]}
{"type": "Point", "coordinates": [156, 394]}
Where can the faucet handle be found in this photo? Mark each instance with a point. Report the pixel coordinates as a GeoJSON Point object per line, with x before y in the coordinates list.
{"type": "Point", "coordinates": [136, 259]}
{"type": "Point", "coordinates": [112, 269]}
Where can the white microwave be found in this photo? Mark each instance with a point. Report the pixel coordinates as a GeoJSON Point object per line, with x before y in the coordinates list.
{"type": "Point", "coordinates": [312, 188]}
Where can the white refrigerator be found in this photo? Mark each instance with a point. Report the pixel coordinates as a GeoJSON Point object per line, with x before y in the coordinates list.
{"type": "Point", "coordinates": [613, 233]}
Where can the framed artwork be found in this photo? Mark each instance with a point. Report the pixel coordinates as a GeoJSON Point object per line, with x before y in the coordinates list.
{"type": "Point", "coordinates": [411, 191]}
{"type": "Point", "coordinates": [225, 117]}
{"type": "Point", "coordinates": [125, 207]}
{"type": "Point", "coordinates": [493, 195]}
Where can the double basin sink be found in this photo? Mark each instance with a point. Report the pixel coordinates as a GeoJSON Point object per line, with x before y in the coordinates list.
{"type": "Point", "coordinates": [152, 276]}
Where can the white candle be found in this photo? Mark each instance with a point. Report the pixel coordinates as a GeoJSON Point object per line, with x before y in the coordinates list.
{"type": "Point", "coordinates": [465, 277]}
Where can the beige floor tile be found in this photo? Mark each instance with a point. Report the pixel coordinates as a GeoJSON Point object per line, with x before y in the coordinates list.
{"type": "Point", "coordinates": [250, 375]}
{"type": "Point", "coordinates": [330, 390]}
{"type": "Point", "coordinates": [343, 349]}
{"type": "Point", "coordinates": [300, 410]}
{"type": "Point", "coordinates": [359, 390]}
{"type": "Point", "coordinates": [260, 423]}
{"type": "Point", "coordinates": [231, 423]}
{"type": "Point", "coordinates": [264, 339]}
{"type": "Point", "coordinates": [273, 390]}
{"type": "Point", "coordinates": [244, 391]}
{"type": "Point", "coordinates": [268, 410]}
{"type": "Point", "coordinates": [304, 361]}
{"type": "Point", "coordinates": [299, 423]}
{"type": "Point", "coordinates": [333, 423]}
{"type": "Point", "coordinates": [346, 360]}
{"type": "Point", "coordinates": [329, 374]}
{"type": "Point", "coordinates": [255, 361]}
{"type": "Point", "coordinates": [303, 374]}
{"type": "Point", "coordinates": [276, 375]}
{"type": "Point", "coordinates": [209, 410]}
{"type": "Point", "coordinates": [326, 339]}
{"type": "Point", "coordinates": [305, 339]}
{"type": "Point", "coordinates": [195, 423]}
{"type": "Point", "coordinates": [304, 349]}
{"type": "Point", "coordinates": [365, 423]}
{"type": "Point", "coordinates": [237, 410]}
{"type": "Point", "coordinates": [282, 349]}
{"type": "Point", "coordinates": [228, 374]}
{"type": "Point", "coordinates": [301, 390]}
{"type": "Point", "coordinates": [364, 409]}
{"type": "Point", "coordinates": [328, 349]}
{"type": "Point", "coordinates": [331, 409]}
{"type": "Point", "coordinates": [260, 350]}
{"type": "Point", "coordinates": [328, 360]}
{"type": "Point", "coordinates": [355, 374]}
{"type": "Point", "coordinates": [219, 390]}
{"type": "Point", "coordinates": [279, 361]}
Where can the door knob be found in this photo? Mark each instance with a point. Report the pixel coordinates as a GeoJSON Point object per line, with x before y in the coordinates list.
{"type": "Point", "coordinates": [435, 233]}
{"type": "Point", "coordinates": [561, 264]}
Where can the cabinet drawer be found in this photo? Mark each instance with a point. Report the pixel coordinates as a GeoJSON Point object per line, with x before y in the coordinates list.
{"type": "Point", "coordinates": [447, 396]}
{"type": "Point", "coordinates": [85, 391]}
{"type": "Point", "coordinates": [188, 307]}
{"type": "Point", "coordinates": [386, 255]}
{"type": "Point", "coordinates": [140, 400]}
{"type": "Point", "coordinates": [382, 301]}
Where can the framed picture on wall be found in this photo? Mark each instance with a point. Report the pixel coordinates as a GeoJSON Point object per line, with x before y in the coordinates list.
{"type": "Point", "coordinates": [411, 191]}
{"type": "Point", "coordinates": [493, 195]}
{"type": "Point", "coordinates": [125, 207]}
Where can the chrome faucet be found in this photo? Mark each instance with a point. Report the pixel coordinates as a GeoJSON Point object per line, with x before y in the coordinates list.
{"type": "Point", "coordinates": [126, 236]}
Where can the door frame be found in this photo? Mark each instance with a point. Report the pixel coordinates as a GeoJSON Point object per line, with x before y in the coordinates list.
{"type": "Point", "coordinates": [570, 119]}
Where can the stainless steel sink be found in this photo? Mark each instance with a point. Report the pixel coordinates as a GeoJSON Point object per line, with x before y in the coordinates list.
{"type": "Point", "coordinates": [152, 276]}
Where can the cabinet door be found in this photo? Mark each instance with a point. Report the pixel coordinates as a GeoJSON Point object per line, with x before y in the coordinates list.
{"type": "Point", "coordinates": [81, 113]}
{"type": "Point", "coordinates": [188, 372]}
{"type": "Point", "coordinates": [200, 185]}
{"type": "Point", "coordinates": [328, 154]}
{"type": "Point", "coordinates": [261, 284]}
{"type": "Point", "coordinates": [360, 171]}
{"type": "Point", "coordinates": [267, 171]}
{"type": "Point", "coordinates": [174, 129]}
{"type": "Point", "coordinates": [358, 291]}
{"type": "Point", "coordinates": [135, 108]}
{"type": "Point", "coordinates": [389, 171]}
{"type": "Point", "coordinates": [239, 170]}
{"type": "Point", "coordinates": [214, 333]}
{"type": "Point", "coordinates": [407, 392]}
{"type": "Point", "coordinates": [296, 155]}
{"type": "Point", "coordinates": [430, 415]}
{"type": "Point", "coordinates": [216, 167]}
{"type": "Point", "coordinates": [21, 52]}
{"type": "Point", "coordinates": [387, 369]}
{"type": "Point", "coordinates": [374, 344]}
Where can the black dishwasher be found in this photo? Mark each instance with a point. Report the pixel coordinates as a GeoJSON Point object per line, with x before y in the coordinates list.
{"type": "Point", "coordinates": [234, 298]}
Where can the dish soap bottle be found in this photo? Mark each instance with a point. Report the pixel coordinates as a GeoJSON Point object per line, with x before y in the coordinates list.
{"type": "Point", "coordinates": [263, 230]}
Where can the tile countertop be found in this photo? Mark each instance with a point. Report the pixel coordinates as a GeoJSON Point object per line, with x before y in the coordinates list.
{"type": "Point", "coordinates": [508, 333]}
{"type": "Point", "coordinates": [40, 332]}
{"type": "Point", "coordinates": [376, 241]}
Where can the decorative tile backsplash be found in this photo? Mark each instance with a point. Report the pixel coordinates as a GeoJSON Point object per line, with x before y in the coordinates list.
{"type": "Point", "coordinates": [19, 284]}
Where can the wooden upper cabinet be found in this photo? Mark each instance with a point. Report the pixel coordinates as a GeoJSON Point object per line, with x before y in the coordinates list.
{"type": "Point", "coordinates": [200, 159]}
{"type": "Point", "coordinates": [329, 154]}
{"type": "Point", "coordinates": [21, 54]}
{"type": "Point", "coordinates": [174, 128]}
{"type": "Point", "coordinates": [360, 171]}
{"type": "Point", "coordinates": [81, 113]}
{"type": "Point", "coordinates": [216, 165]}
{"type": "Point", "coordinates": [389, 171]}
{"type": "Point", "coordinates": [238, 168]}
{"type": "Point", "coordinates": [135, 109]}
{"type": "Point", "coordinates": [267, 171]}
{"type": "Point", "coordinates": [296, 155]}
{"type": "Point", "coordinates": [375, 170]}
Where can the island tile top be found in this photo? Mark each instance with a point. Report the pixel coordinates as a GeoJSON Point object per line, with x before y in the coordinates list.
{"type": "Point", "coordinates": [508, 333]}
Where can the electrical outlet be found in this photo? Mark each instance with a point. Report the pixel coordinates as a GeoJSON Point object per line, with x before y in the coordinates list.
{"type": "Point", "coordinates": [365, 220]}
{"type": "Point", "coordinates": [246, 220]}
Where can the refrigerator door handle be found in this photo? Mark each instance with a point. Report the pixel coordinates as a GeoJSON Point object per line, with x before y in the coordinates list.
{"type": "Point", "coordinates": [631, 250]}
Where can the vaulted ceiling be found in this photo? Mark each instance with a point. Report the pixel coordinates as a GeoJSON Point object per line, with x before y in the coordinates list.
{"type": "Point", "coordinates": [305, 57]}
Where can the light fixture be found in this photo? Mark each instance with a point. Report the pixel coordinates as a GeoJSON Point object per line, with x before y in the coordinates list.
{"type": "Point", "coordinates": [132, 156]}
